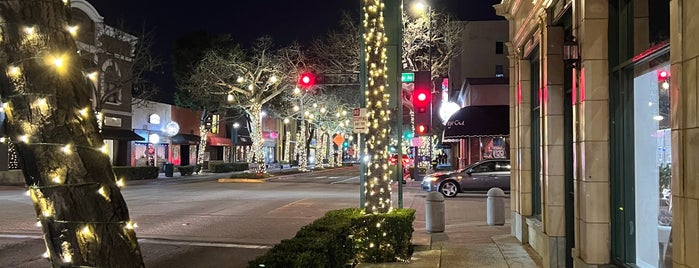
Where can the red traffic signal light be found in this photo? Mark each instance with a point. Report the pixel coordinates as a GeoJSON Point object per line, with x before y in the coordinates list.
{"type": "Point", "coordinates": [307, 80]}
{"type": "Point", "coordinates": [422, 129]}
{"type": "Point", "coordinates": [421, 100]}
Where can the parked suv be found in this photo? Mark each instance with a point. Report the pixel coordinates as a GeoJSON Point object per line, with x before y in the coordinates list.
{"type": "Point", "coordinates": [479, 176]}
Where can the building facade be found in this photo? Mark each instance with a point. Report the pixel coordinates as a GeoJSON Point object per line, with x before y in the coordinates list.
{"type": "Point", "coordinates": [477, 77]}
{"type": "Point", "coordinates": [603, 124]}
{"type": "Point", "coordinates": [107, 57]}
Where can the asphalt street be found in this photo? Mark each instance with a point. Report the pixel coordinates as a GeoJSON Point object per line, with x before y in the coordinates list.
{"type": "Point", "coordinates": [199, 222]}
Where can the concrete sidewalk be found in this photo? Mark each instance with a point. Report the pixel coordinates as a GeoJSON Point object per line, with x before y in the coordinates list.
{"type": "Point", "coordinates": [467, 240]}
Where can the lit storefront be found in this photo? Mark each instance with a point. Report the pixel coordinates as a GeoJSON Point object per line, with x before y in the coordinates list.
{"type": "Point", "coordinates": [480, 132]}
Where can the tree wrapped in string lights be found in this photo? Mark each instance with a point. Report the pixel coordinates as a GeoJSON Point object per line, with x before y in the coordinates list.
{"type": "Point", "coordinates": [46, 99]}
{"type": "Point", "coordinates": [378, 183]}
{"type": "Point", "coordinates": [247, 79]}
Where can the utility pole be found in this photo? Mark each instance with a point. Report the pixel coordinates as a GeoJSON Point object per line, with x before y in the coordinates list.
{"type": "Point", "coordinates": [394, 32]}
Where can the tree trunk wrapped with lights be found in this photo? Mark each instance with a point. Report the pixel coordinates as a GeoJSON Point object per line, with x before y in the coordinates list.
{"type": "Point", "coordinates": [302, 148]}
{"type": "Point", "coordinates": [378, 183]}
{"type": "Point", "coordinates": [257, 141]}
{"type": "Point", "coordinates": [46, 99]}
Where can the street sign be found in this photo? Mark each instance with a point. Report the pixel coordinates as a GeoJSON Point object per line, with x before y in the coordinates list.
{"type": "Point", "coordinates": [338, 140]}
{"type": "Point", "coordinates": [361, 117]}
{"type": "Point", "coordinates": [407, 77]}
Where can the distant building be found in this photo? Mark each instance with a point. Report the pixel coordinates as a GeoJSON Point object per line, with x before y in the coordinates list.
{"type": "Point", "coordinates": [478, 76]}
{"type": "Point", "coordinates": [107, 56]}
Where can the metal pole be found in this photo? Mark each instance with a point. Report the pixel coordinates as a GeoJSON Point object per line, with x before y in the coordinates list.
{"type": "Point", "coordinates": [362, 103]}
{"type": "Point", "coordinates": [394, 29]}
{"type": "Point", "coordinates": [432, 91]}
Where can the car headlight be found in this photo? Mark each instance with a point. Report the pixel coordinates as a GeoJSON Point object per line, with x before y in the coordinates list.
{"type": "Point", "coordinates": [429, 179]}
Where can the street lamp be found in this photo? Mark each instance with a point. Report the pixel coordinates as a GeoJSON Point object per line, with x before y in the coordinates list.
{"type": "Point", "coordinates": [235, 141]}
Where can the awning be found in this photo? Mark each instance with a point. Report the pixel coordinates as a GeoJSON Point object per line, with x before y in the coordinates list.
{"type": "Point", "coordinates": [112, 133]}
{"type": "Point", "coordinates": [185, 139]}
{"type": "Point", "coordinates": [218, 141]}
{"type": "Point", "coordinates": [477, 121]}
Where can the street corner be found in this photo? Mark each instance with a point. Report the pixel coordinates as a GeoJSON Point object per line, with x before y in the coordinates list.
{"type": "Point", "coordinates": [239, 180]}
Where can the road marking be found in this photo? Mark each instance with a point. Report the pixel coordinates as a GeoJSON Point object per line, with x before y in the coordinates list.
{"type": "Point", "coordinates": [345, 180]}
{"type": "Point", "coordinates": [201, 244]}
{"type": "Point", "coordinates": [160, 242]}
{"type": "Point", "coordinates": [18, 236]}
{"type": "Point", "coordinates": [240, 180]}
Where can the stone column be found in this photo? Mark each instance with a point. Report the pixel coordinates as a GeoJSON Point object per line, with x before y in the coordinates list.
{"type": "Point", "coordinates": [523, 151]}
{"type": "Point", "coordinates": [684, 99]}
{"type": "Point", "coordinates": [514, 137]}
{"type": "Point", "coordinates": [592, 214]}
{"type": "Point", "coordinates": [553, 165]}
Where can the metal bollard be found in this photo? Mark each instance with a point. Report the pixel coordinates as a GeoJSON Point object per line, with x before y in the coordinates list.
{"type": "Point", "coordinates": [495, 207]}
{"type": "Point", "coordinates": [434, 212]}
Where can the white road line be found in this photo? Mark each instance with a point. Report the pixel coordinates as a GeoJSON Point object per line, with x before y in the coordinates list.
{"type": "Point", "coordinates": [160, 242]}
{"type": "Point", "coordinates": [201, 244]}
{"type": "Point", "coordinates": [345, 180]}
{"type": "Point", "coordinates": [18, 236]}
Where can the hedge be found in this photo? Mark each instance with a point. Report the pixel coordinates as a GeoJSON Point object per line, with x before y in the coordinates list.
{"type": "Point", "coordinates": [227, 167]}
{"type": "Point", "coordinates": [345, 237]}
{"type": "Point", "coordinates": [188, 170]}
{"type": "Point", "coordinates": [136, 173]}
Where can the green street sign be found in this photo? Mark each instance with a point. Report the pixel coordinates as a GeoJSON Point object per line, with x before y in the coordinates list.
{"type": "Point", "coordinates": [407, 77]}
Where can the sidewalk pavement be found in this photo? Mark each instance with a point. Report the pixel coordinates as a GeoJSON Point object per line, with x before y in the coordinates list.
{"type": "Point", "coordinates": [466, 242]}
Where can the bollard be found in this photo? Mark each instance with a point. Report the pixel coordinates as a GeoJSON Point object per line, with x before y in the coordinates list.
{"type": "Point", "coordinates": [495, 207]}
{"type": "Point", "coordinates": [434, 212]}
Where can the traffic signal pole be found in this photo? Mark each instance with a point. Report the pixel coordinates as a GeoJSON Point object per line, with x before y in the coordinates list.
{"type": "Point", "coordinates": [362, 104]}
{"type": "Point", "coordinates": [394, 31]}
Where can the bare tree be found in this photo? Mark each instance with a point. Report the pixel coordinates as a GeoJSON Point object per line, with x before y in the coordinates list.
{"type": "Point", "coordinates": [234, 77]}
{"type": "Point", "coordinates": [430, 42]}
{"type": "Point", "coordinates": [83, 216]}
{"type": "Point", "coordinates": [336, 58]}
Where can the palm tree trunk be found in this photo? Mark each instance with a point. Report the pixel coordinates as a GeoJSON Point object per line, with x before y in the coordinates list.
{"type": "Point", "coordinates": [84, 217]}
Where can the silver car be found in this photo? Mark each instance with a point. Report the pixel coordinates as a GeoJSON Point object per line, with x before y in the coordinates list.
{"type": "Point", "coordinates": [479, 176]}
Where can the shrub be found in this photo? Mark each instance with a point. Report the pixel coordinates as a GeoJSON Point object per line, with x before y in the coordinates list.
{"type": "Point", "coordinates": [394, 245]}
{"type": "Point", "coordinates": [187, 170]}
{"type": "Point", "coordinates": [343, 237]}
{"type": "Point", "coordinates": [227, 167]}
{"type": "Point", "coordinates": [136, 173]}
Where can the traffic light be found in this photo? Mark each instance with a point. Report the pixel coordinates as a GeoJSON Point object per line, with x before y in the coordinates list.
{"type": "Point", "coordinates": [421, 100]}
{"type": "Point", "coordinates": [422, 129]}
{"type": "Point", "coordinates": [307, 80]}
{"type": "Point", "coordinates": [345, 144]}
{"type": "Point", "coordinates": [408, 135]}
{"type": "Point", "coordinates": [422, 103]}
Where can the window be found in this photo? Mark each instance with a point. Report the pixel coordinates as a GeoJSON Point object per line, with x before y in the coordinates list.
{"type": "Point", "coordinates": [502, 166]}
{"type": "Point", "coordinates": [535, 136]}
{"type": "Point", "coordinates": [499, 48]}
{"type": "Point", "coordinates": [499, 71]}
{"type": "Point", "coordinates": [485, 167]}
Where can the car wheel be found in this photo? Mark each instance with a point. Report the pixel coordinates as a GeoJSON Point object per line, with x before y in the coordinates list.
{"type": "Point", "coordinates": [449, 188]}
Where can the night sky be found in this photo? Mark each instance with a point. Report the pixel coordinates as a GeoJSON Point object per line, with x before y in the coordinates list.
{"type": "Point", "coordinates": [246, 20]}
